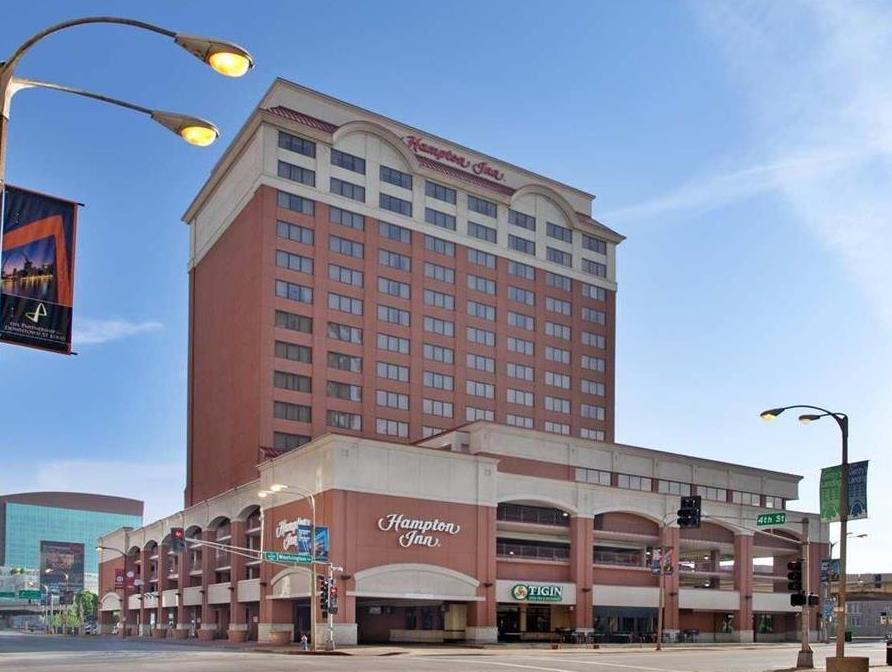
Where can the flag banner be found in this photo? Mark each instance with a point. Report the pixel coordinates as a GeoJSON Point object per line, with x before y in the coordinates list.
{"type": "Point", "coordinates": [37, 270]}
{"type": "Point", "coordinates": [831, 480]}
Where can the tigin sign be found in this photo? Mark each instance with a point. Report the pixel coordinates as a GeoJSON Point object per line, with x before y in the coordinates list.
{"type": "Point", "coordinates": [523, 592]}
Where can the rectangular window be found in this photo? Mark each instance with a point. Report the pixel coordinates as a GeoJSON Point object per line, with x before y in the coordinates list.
{"type": "Point", "coordinates": [436, 407]}
{"type": "Point", "coordinates": [346, 247]}
{"type": "Point", "coordinates": [442, 219]}
{"type": "Point", "coordinates": [294, 262]}
{"type": "Point", "coordinates": [392, 399]}
{"type": "Point", "coordinates": [393, 287]}
{"type": "Point", "coordinates": [342, 420]}
{"type": "Point", "coordinates": [593, 476]}
{"type": "Point", "coordinates": [554, 305]}
{"type": "Point", "coordinates": [437, 272]}
{"type": "Point", "coordinates": [296, 203]}
{"type": "Point", "coordinates": [472, 414]}
{"type": "Point", "coordinates": [344, 332]}
{"type": "Point", "coordinates": [746, 498]}
{"type": "Point", "coordinates": [524, 271]}
{"type": "Point", "coordinates": [352, 220]}
{"type": "Point", "coordinates": [293, 292]}
{"type": "Point", "coordinates": [593, 434]}
{"type": "Point", "coordinates": [296, 144]}
{"type": "Point", "coordinates": [555, 379]}
{"type": "Point", "coordinates": [344, 362]}
{"type": "Point", "coordinates": [557, 427]}
{"type": "Point", "coordinates": [487, 233]}
{"type": "Point", "coordinates": [520, 219]}
{"type": "Point", "coordinates": [478, 389]}
{"type": "Point", "coordinates": [393, 344]}
{"type": "Point", "coordinates": [292, 381]}
{"type": "Point", "coordinates": [558, 281]}
{"type": "Point", "coordinates": [594, 340]}
{"type": "Point", "coordinates": [298, 234]}
{"type": "Point", "coordinates": [481, 258]}
{"type": "Point", "coordinates": [297, 174]}
{"type": "Point", "coordinates": [594, 292]}
{"type": "Point", "coordinates": [559, 232]}
{"type": "Point", "coordinates": [293, 352]}
{"type": "Point", "coordinates": [439, 299]}
{"type": "Point", "coordinates": [557, 355]}
{"type": "Point", "coordinates": [556, 330]}
{"type": "Point", "coordinates": [294, 322]}
{"type": "Point", "coordinates": [293, 412]}
{"type": "Point", "coordinates": [484, 311]}
{"type": "Point", "coordinates": [437, 353]}
{"type": "Point", "coordinates": [393, 315]}
{"type": "Point", "coordinates": [557, 405]}
{"type": "Point", "coordinates": [391, 427]}
{"type": "Point", "coordinates": [524, 421]}
{"type": "Point", "coordinates": [480, 363]}
{"type": "Point", "coordinates": [347, 161]}
{"type": "Point", "coordinates": [522, 245]}
{"type": "Point", "coordinates": [595, 316]}
{"type": "Point", "coordinates": [435, 325]}
{"type": "Point", "coordinates": [521, 321]}
{"type": "Point", "coordinates": [714, 494]}
{"type": "Point", "coordinates": [344, 304]}
{"type": "Point", "coordinates": [439, 245]}
{"type": "Point", "coordinates": [393, 232]}
{"type": "Point", "coordinates": [283, 441]}
{"type": "Point", "coordinates": [630, 482]}
{"type": "Point", "coordinates": [395, 260]}
{"type": "Point", "coordinates": [559, 257]}
{"type": "Point", "coordinates": [394, 204]}
{"type": "Point", "coordinates": [480, 284]}
{"type": "Point", "coordinates": [438, 381]}
{"type": "Point", "coordinates": [523, 296]}
{"type": "Point", "coordinates": [481, 336]}
{"type": "Point", "coordinates": [520, 371]}
{"type": "Point", "coordinates": [439, 192]}
{"type": "Point", "coordinates": [594, 244]}
{"type": "Point", "coordinates": [593, 387]}
{"type": "Point", "coordinates": [427, 432]}
{"type": "Point", "coordinates": [487, 208]}
{"type": "Point", "coordinates": [594, 268]}
{"type": "Point", "coordinates": [344, 391]}
{"type": "Point", "coordinates": [772, 502]}
{"type": "Point", "coordinates": [594, 363]}
{"type": "Point", "coordinates": [396, 177]}
{"type": "Point", "coordinates": [392, 371]}
{"type": "Point", "coordinates": [593, 412]}
{"type": "Point", "coordinates": [519, 397]}
{"type": "Point", "coordinates": [520, 345]}
{"type": "Point", "coordinates": [344, 275]}
{"type": "Point", "coordinates": [346, 189]}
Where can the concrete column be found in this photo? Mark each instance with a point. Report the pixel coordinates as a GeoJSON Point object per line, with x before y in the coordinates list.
{"type": "Point", "coordinates": [143, 629]}
{"type": "Point", "coordinates": [276, 616]}
{"type": "Point", "coordinates": [815, 553]}
{"type": "Point", "coordinates": [183, 625]}
{"type": "Point", "coordinates": [208, 565]}
{"type": "Point", "coordinates": [581, 569]}
{"type": "Point", "coordinates": [743, 583]}
{"type": "Point", "coordinates": [238, 627]}
{"type": "Point", "coordinates": [481, 616]}
{"type": "Point", "coordinates": [671, 540]}
{"type": "Point", "coordinates": [163, 584]}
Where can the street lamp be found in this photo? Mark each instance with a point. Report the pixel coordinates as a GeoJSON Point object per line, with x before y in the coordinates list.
{"type": "Point", "coordinates": [843, 421]}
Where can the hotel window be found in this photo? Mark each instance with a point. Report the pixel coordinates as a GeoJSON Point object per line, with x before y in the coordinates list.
{"type": "Point", "coordinates": [283, 442]}
{"type": "Point", "coordinates": [535, 515]}
{"type": "Point", "coordinates": [520, 219]}
{"type": "Point", "coordinates": [521, 270]}
{"type": "Point", "coordinates": [481, 336]}
{"type": "Point", "coordinates": [747, 498]}
{"type": "Point", "coordinates": [594, 244]}
{"type": "Point", "coordinates": [291, 381]}
{"type": "Point", "coordinates": [294, 262]}
{"type": "Point", "coordinates": [287, 320]}
{"type": "Point", "coordinates": [482, 258]}
{"type": "Point", "coordinates": [346, 247]}
{"type": "Point", "coordinates": [392, 399]}
{"type": "Point", "coordinates": [487, 208]}
{"type": "Point", "coordinates": [557, 427]}
{"type": "Point", "coordinates": [347, 161]}
{"type": "Point", "coordinates": [401, 262]}
{"type": "Point", "coordinates": [559, 232]}
{"type": "Point", "coordinates": [557, 405]}
{"type": "Point", "coordinates": [594, 340]}
{"type": "Point", "coordinates": [561, 380]}
{"type": "Point", "coordinates": [594, 292]}
{"type": "Point", "coordinates": [472, 414]}
{"type": "Point", "coordinates": [394, 204]}
{"type": "Point", "coordinates": [344, 391]}
{"type": "Point", "coordinates": [439, 192]}
{"type": "Point", "coordinates": [294, 412]}
{"type": "Point", "coordinates": [524, 421]}
{"type": "Point", "coordinates": [396, 177]}
{"type": "Point", "coordinates": [522, 245]}
{"type": "Point", "coordinates": [297, 174]}
{"type": "Point", "coordinates": [593, 476]}
{"type": "Point", "coordinates": [634, 482]}
{"type": "Point", "coordinates": [519, 397]}
{"type": "Point", "coordinates": [594, 268]}
{"type": "Point", "coordinates": [391, 427]}
{"type": "Point", "coordinates": [523, 296]}
{"type": "Point", "coordinates": [393, 232]}
{"type": "Point", "coordinates": [437, 353]}
{"type": "Point", "coordinates": [442, 409]}
{"type": "Point", "coordinates": [557, 355]}
{"type": "Point", "coordinates": [484, 311]}
{"type": "Point", "coordinates": [296, 144]}
{"type": "Point", "coordinates": [557, 306]}
{"type": "Point", "coordinates": [437, 272]}
{"type": "Point", "coordinates": [344, 304]}
{"type": "Point", "coordinates": [487, 233]}
{"type": "Point", "coordinates": [521, 321]}
{"type": "Point", "coordinates": [594, 363]}
{"type": "Point", "coordinates": [346, 189]}
{"type": "Point", "coordinates": [344, 275]}
{"type": "Point", "coordinates": [772, 502]}
{"type": "Point", "coordinates": [435, 325]}
{"type": "Point", "coordinates": [392, 371]}
{"type": "Point", "coordinates": [593, 412]}
{"type": "Point", "coordinates": [439, 299]}
{"type": "Point", "coordinates": [559, 257]}
{"type": "Point", "coordinates": [438, 381]}
{"type": "Point", "coordinates": [342, 420]}
{"type": "Point", "coordinates": [344, 332]}
{"type": "Point", "coordinates": [479, 284]}
{"type": "Point", "coordinates": [427, 431]}
{"type": "Point", "coordinates": [393, 315]}
{"type": "Point", "coordinates": [298, 234]}
{"type": "Point", "coordinates": [592, 315]}
{"type": "Point", "coordinates": [294, 352]}
{"type": "Point", "coordinates": [480, 363]}
{"type": "Point", "coordinates": [593, 434]}
{"type": "Point", "coordinates": [478, 389]}
{"type": "Point", "coordinates": [593, 387]}
{"type": "Point", "coordinates": [393, 287]}
{"type": "Point", "coordinates": [296, 203]}
{"type": "Point", "coordinates": [714, 494]}
{"type": "Point", "coordinates": [520, 345]}
{"type": "Point", "coordinates": [442, 219]}
{"type": "Point", "coordinates": [556, 330]}
{"type": "Point", "coordinates": [352, 220]}
{"type": "Point", "coordinates": [558, 281]}
{"type": "Point", "coordinates": [393, 343]}
{"type": "Point", "coordinates": [344, 362]}
{"type": "Point", "coordinates": [519, 371]}
{"type": "Point", "coordinates": [673, 488]}
{"type": "Point", "coordinates": [293, 292]}
{"type": "Point", "coordinates": [439, 245]}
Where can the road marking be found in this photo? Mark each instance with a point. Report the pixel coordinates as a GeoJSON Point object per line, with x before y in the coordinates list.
{"type": "Point", "coordinates": [631, 667]}
{"type": "Point", "coordinates": [484, 660]}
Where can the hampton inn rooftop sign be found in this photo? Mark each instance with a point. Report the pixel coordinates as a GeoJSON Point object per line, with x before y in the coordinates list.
{"type": "Point", "coordinates": [482, 168]}
{"type": "Point", "coordinates": [417, 531]}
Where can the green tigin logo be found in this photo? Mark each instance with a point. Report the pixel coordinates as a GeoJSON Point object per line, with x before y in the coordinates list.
{"type": "Point", "coordinates": [523, 592]}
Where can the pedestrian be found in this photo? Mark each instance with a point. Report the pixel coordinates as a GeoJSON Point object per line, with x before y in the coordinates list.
{"type": "Point", "coordinates": [304, 642]}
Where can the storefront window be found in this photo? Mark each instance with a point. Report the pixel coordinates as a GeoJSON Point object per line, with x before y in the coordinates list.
{"type": "Point", "coordinates": [538, 619]}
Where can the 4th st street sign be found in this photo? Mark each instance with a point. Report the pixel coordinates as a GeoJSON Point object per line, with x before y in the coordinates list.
{"type": "Point", "coordinates": [775, 518]}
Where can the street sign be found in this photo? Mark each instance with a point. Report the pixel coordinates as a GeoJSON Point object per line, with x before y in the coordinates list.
{"type": "Point", "coordinates": [774, 518]}
{"type": "Point", "coordinates": [287, 558]}
{"type": "Point", "coordinates": [29, 594]}
{"type": "Point", "coordinates": [7, 595]}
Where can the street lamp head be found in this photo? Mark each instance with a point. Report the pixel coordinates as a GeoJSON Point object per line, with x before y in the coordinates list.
{"type": "Point", "coordinates": [278, 487]}
{"type": "Point", "coordinates": [808, 417]}
{"type": "Point", "coordinates": [227, 58]}
{"type": "Point", "coordinates": [193, 130]}
{"type": "Point", "coordinates": [771, 414]}
{"type": "Point", "coordinates": [263, 494]}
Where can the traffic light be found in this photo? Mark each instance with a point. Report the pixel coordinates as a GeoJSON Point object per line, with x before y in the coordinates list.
{"type": "Point", "coordinates": [177, 539]}
{"type": "Point", "coordinates": [797, 600]}
{"type": "Point", "coordinates": [324, 594]}
{"type": "Point", "coordinates": [689, 513]}
{"type": "Point", "coordinates": [794, 576]}
{"type": "Point", "coordinates": [813, 600]}
{"type": "Point", "coordinates": [332, 598]}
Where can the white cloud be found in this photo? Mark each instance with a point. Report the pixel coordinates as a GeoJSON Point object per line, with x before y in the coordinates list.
{"type": "Point", "coordinates": [90, 332]}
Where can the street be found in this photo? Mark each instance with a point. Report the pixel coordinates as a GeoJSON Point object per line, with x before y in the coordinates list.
{"type": "Point", "coordinates": [37, 653]}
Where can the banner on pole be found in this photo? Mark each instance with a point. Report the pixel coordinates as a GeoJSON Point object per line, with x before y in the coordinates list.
{"type": "Point", "coordinates": [831, 481]}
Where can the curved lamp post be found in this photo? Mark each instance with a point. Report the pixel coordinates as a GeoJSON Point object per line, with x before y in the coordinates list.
{"type": "Point", "coordinates": [843, 421]}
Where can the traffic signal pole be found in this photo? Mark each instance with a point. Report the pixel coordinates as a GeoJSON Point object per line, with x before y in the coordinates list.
{"type": "Point", "coordinates": [806, 656]}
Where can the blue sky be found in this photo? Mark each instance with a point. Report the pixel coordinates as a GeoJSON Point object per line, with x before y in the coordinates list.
{"type": "Point", "coordinates": [743, 148]}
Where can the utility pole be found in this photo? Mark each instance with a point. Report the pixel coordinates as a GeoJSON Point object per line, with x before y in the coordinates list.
{"type": "Point", "coordinates": [806, 657]}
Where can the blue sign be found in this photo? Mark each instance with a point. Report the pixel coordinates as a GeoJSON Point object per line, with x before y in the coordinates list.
{"type": "Point", "coordinates": [857, 490]}
{"type": "Point", "coordinates": [829, 570]}
{"type": "Point", "coordinates": [305, 542]}
{"type": "Point", "coordinates": [322, 544]}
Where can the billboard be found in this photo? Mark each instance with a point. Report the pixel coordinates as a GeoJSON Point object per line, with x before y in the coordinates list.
{"type": "Point", "coordinates": [61, 567]}
{"type": "Point", "coordinates": [37, 270]}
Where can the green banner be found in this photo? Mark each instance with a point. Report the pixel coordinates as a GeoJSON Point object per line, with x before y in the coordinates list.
{"type": "Point", "coordinates": [831, 482]}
